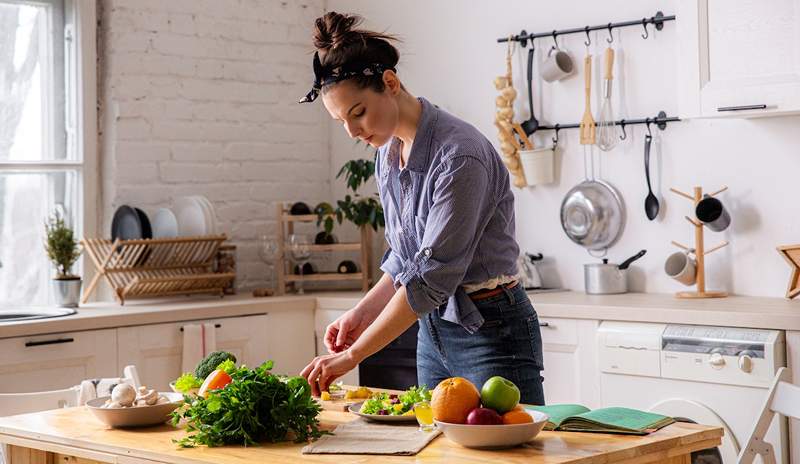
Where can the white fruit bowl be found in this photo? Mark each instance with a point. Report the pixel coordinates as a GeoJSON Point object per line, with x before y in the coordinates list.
{"type": "Point", "coordinates": [494, 436]}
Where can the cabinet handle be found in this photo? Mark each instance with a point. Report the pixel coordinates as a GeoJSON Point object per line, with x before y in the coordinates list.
{"type": "Point", "coordinates": [741, 108]}
{"type": "Point", "coordinates": [216, 326]}
{"type": "Point", "coordinates": [545, 324]}
{"type": "Point", "coordinates": [50, 342]}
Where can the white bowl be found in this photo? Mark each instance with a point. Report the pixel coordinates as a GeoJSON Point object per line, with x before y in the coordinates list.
{"type": "Point", "coordinates": [138, 416]}
{"type": "Point", "coordinates": [494, 436]}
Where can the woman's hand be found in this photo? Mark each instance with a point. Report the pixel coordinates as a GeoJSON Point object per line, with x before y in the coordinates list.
{"type": "Point", "coordinates": [346, 329]}
{"type": "Point", "coordinates": [323, 370]}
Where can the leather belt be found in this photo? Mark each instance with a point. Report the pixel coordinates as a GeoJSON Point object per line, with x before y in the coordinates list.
{"type": "Point", "coordinates": [488, 293]}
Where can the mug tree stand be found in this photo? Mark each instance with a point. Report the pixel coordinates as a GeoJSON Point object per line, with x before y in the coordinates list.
{"type": "Point", "coordinates": [699, 249]}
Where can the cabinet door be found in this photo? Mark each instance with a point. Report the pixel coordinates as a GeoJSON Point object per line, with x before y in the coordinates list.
{"type": "Point", "coordinates": [570, 361]}
{"type": "Point", "coordinates": [323, 318]}
{"type": "Point", "coordinates": [739, 58]}
{"type": "Point", "coordinates": [157, 349]}
{"type": "Point", "coordinates": [56, 361]}
{"type": "Point", "coordinates": [290, 340]}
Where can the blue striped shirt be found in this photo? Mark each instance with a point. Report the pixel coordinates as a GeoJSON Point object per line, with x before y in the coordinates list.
{"type": "Point", "coordinates": [449, 216]}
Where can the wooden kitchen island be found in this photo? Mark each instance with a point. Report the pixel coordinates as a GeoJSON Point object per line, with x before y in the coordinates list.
{"type": "Point", "coordinates": [74, 436]}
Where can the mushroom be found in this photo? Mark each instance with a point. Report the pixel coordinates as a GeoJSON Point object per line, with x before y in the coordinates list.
{"type": "Point", "coordinates": [124, 394]}
{"type": "Point", "coordinates": [146, 397]}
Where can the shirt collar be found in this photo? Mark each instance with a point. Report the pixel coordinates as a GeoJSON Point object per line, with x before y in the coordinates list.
{"type": "Point", "coordinates": [419, 159]}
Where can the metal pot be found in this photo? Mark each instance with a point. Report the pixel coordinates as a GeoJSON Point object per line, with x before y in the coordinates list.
{"type": "Point", "coordinates": [607, 278]}
{"type": "Point", "coordinates": [67, 292]}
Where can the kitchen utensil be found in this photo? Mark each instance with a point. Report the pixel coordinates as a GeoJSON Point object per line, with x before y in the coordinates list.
{"type": "Point", "coordinates": [538, 165]}
{"type": "Point", "coordinates": [651, 205]}
{"type": "Point", "coordinates": [165, 225]}
{"type": "Point", "coordinates": [607, 278]}
{"type": "Point", "coordinates": [126, 224]}
{"type": "Point", "coordinates": [712, 213]}
{"type": "Point", "coordinates": [587, 130]}
{"type": "Point", "coordinates": [527, 143]}
{"type": "Point", "coordinates": [355, 408]}
{"type": "Point", "coordinates": [593, 215]}
{"type": "Point", "coordinates": [191, 217]}
{"type": "Point", "coordinates": [529, 273]}
{"type": "Point", "coordinates": [558, 65]}
{"type": "Point", "coordinates": [137, 416]}
{"type": "Point", "coordinates": [494, 436]}
{"type": "Point", "coordinates": [532, 123]}
{"type": "Point", "coordinates": [681, 267]}
{"type": "Point", "coordinates": [607, 137]}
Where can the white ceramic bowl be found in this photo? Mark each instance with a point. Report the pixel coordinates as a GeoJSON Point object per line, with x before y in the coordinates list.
{"type": "Point", "coordinates": [138, 416]}
{"type": "Point", "coordinates": [494, 436]}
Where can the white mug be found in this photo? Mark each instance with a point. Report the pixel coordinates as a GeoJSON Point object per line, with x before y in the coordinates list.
{"type": "Point", "coordinates": [681, 267]}
{"type": "Point", "coordinates": [557, 66]}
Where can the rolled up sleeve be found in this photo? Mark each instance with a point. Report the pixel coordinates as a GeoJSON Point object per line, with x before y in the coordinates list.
{"type": "Point", "coordinates": [391, 263]}
{"type": "Point", "coordinates": [461, 207]}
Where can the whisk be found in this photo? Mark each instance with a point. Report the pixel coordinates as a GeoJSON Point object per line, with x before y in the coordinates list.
{"type": "Point", "coordinates": [607, 137]}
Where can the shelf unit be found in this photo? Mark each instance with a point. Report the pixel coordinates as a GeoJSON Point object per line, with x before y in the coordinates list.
{"type": "Point", "coordinates": [286, 224]}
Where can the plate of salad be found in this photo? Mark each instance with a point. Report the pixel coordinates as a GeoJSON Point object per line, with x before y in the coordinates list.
{"type": "Point", "coordinates": [386, 407]}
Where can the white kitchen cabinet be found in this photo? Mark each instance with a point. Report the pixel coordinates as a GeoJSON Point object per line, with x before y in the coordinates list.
{"type": "Point", "coordinates": [156, 349]}
{"type": "Point", "coordinates": [56, 361]}
{"type": "Point", "coordinates": [322, 319]}
{"type": "Point", "coordinates": [738, 58]}
{"type": "Point", "coordinates": [290, 340]}
{"type": "Point", "coordinates": [571, 373]}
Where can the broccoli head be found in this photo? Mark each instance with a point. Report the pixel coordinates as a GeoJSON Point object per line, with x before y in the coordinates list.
{"type": "Point", "coordinates": [210, 362]}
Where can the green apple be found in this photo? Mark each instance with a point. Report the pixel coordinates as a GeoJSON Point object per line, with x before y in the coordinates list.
{"type": "Point", "coordinates": [500, 394]}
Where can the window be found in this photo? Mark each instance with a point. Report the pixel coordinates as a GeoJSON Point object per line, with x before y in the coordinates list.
{"type": "Point", "coordinates": [46, 164]}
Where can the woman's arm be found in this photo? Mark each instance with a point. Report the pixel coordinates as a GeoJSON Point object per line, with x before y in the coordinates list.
{"type": "Point", "coordinates": [395, 319]}
{"type": "Point", "coordinates": [346, 329]}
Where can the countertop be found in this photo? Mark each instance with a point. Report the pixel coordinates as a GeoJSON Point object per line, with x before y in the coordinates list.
{"type": "Point", "coordinates": [75, 432]}
{"type": "Point", "coordinates": [735, 311]}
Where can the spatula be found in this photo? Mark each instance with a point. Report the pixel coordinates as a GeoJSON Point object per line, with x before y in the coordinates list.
{"type": "Point", "coordinates": [587, 136]}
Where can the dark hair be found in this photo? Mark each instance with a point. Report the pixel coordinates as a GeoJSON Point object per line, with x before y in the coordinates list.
{"type": "Point", "coordinates": [338, 43]}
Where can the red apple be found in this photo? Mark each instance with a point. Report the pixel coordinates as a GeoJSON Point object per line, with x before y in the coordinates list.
{"type": "Point", "coordinates": [484, 416]}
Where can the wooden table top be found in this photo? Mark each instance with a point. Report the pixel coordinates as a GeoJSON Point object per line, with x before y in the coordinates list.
{"type": "Point", "coordinates": [77, 432]}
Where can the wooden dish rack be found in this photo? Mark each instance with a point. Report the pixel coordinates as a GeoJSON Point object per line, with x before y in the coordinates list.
{"type": "Point", "coordinates": [283, 269]}
{"type": "Point", "coordinates": [156, 267]}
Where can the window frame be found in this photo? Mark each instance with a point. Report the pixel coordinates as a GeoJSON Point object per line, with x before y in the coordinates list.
{"type": "Point", "coordinates": [80, 97]}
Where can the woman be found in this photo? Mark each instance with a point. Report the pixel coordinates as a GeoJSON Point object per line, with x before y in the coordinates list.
{"type": "Point", "coordinates": [449, 223]}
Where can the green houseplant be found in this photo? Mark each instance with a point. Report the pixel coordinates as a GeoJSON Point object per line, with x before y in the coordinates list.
{"type": "Point", "coordinates": [62, 250]}
{"type": "Point", "coordinates": [360, 210]}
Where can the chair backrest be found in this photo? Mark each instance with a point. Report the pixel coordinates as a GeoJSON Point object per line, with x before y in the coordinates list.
{"type": "Point", "coordinates": [21, 403]}
{"type": "Point", "coordinates": [783, 398]}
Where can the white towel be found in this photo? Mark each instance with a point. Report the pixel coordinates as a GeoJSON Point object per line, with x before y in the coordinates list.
{"type": "Point", "coordinates": [199, 340]}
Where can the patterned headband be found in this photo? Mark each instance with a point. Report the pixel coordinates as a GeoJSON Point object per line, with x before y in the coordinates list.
{"type": "Point", "coordinates": [324, 76]}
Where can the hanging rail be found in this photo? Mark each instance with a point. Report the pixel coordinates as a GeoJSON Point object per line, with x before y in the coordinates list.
{"type": "Point", "coordinates": [660, 121]}
{"type": "Point", "coordinates": [657, 20]}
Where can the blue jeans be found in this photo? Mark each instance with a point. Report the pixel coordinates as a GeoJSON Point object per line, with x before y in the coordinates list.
{"type": "Point", "coordinates": [509, 344]}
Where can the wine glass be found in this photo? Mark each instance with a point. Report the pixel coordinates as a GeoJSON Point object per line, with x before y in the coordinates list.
{"type": "Point", "coordinates": [300, 246]}
{"type": "Point", "coordinates": [268, 252]}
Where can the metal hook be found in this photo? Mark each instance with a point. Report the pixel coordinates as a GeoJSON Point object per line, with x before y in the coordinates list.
{"type": "Point", "coordinates": [557, 127]}
{"type": "Point", "coordinates": [646, 32]}
{"type": "Point", "coordinates": [588, 39]}
{"type": "Point", "coordinates": [610, 35]}
{"type": "Point", "coordinates": [648, 121]}
{"type": "Point", "coordinates": [555, 42]}
{"type": "Point", "coordinates": [622, 126]}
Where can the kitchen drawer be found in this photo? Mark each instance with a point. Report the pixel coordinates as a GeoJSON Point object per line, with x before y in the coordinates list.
{"type": "Point", "coordinates": [56, 361]}
{"type": "Point", "coordinates": [558, 331]}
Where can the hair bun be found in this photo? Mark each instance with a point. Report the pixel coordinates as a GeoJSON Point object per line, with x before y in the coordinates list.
{"type": "Point", "coordinates": [334, 30]}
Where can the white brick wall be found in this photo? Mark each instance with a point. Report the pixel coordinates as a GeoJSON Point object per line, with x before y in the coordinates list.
{"type": "Point", "coordinates": [200, 97]}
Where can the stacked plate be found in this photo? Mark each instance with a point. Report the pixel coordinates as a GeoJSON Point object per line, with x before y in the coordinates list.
{"type": "Point", "coordinates": [190, 217]}
{"type": "Point", "coordinates": [195, 216]}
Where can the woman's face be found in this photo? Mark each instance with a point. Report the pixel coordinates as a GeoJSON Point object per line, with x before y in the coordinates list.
{"type": "Point", "coordinates": [365, 114]}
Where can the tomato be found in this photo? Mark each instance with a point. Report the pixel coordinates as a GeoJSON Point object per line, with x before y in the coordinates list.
{"type": "Point", "coordinates": [215, 380]}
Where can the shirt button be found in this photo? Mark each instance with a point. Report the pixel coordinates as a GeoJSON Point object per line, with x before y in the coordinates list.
{"type": "Point", "coordinates": [427, 252]}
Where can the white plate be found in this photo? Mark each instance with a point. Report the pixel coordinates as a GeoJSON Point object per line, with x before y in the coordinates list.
{"type": "Point", "coordinates": [165, 225]}
{"type": "Point", "coordinates": [191, 217]}
{"type": "Point", "coordinates": [210, 214]}
{"type": "Point", "coordinates": [494, 436]}
{"type": "Point", "coordinates": [355, 408]}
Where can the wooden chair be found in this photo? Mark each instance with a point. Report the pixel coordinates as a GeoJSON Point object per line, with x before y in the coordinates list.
{"type": "Point", "coordinates": [784, 399]}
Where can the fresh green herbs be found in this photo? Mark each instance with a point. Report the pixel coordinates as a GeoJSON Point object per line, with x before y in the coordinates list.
{"type": "Point", "coordinates": [187, 382]}
{"type": "Point", "coordinates": [256, 406]}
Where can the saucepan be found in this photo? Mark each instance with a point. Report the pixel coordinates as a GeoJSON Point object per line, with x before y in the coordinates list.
{"type": "Point", "coordinates": [608, 278]}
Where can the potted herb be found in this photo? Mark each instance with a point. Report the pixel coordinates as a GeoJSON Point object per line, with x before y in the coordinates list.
{"type": "Point", "coordinates": [62, 250]}
{"type": "Point", "coordinates": [361, 211]}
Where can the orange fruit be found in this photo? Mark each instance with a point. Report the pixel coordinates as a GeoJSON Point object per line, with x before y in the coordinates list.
{"type": "Point", "coordinates": [453, 399]}
{"type": "Point", "coordinates": [517, 416]}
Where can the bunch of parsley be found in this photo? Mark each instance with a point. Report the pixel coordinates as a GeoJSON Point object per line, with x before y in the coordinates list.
{"type": "Point", "coordinates": [257, 406]}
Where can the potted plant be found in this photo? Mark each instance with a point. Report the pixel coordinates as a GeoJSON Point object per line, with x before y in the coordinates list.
{"type": "Point", "coordinates": [361, 211]}
{"type": "Point", "coordinates": [62, 249]}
